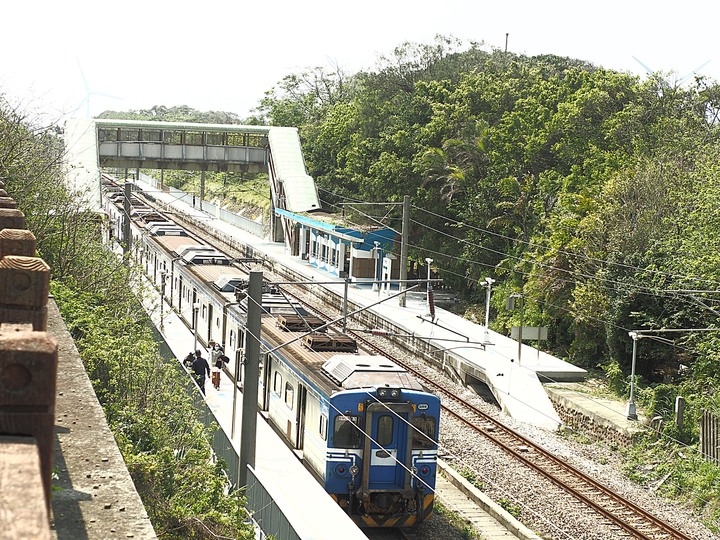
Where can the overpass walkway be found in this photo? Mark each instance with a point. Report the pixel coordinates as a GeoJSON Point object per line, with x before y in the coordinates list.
{"type": "Point", "coordinates": [134, 144]}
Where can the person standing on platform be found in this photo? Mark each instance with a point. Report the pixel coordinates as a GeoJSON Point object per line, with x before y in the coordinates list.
{"type": "Point", "coordinates": [200, 367]}
{"type": "Point", "coordinates": [216, 364]}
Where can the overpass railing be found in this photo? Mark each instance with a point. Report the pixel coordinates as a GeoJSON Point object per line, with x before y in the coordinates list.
{"type": "Point", "coordinates": [28, 375]}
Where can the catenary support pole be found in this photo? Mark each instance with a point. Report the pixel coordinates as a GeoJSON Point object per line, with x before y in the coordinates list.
{"type": "Point", "coordinates": [345, 303]}
{"type": "Point", "coordinates": [404, 247]}
{"type": "Point", "coordinates": [631, 410]}
{"type": "Point", "coordinates": [127, 233]}
{"type": "Point", "coordinates": [250, 380]}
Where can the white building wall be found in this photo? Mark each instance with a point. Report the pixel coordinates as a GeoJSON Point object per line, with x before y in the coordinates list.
{"type": "Point", "coordinates": [82, 173]}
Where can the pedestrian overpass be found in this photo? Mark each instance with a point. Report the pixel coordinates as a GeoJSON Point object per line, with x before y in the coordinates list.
{"type": "Point", "coordinates": [93, 144]}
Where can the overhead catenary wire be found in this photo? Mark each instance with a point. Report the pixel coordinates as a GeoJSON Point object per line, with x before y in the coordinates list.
{"type": "Point", "coordinates": [646, 290]}
{"type": "Point", "coordinates": [641, 290]}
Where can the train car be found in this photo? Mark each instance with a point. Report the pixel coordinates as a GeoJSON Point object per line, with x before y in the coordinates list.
{"type": "Point", "coordinates": [361, 423]}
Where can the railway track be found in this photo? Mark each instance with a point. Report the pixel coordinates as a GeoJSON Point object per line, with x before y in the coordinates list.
{"type": "Point", "coordinates": [627, 519]}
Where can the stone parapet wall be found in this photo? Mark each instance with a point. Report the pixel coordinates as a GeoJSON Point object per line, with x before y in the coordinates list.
{"type": "Point", "coordinates": [596, 419]}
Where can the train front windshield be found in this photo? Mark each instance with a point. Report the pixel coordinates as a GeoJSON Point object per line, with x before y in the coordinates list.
{"type": "Point", "coordinates": [347, 433]}
{"type": "Point", "coordinates": [424, 432]}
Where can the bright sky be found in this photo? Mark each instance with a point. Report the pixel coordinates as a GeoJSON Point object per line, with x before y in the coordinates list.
{"type": "Point", "coordinates": [225, 54]}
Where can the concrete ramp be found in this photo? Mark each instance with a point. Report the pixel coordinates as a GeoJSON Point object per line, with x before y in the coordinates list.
{"type": "Point", "coordinates": [476, 353]}
{"type": "Point", "coordinates": [522, 396]}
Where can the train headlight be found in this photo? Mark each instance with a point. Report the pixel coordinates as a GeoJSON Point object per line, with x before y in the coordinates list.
{"type": "Point", "coordinates": [388, 393]}
{"type": "Point", "coordinates": [354, 470]}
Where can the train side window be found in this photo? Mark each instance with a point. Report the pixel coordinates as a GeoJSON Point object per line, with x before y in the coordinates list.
{"type": "Point", "coordinates": [424, 432]}
{"type": "Point", "coordinates": [277, 383]}
{"type": "Point", "coordinates": [385, 430]}
{"type": "Point", "coordinates": [323, 427]}
{"type": "Point", "coordinates": [346, 433]}
{"type": "Point", "coordinates": [289, 395]}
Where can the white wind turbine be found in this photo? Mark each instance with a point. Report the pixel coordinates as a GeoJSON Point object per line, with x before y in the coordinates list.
{"type": "Point", "coordinates": [85, 103]}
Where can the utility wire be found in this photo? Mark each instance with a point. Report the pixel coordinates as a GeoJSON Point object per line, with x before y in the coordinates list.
{"type": "Point", "coordinates": [654, 291]}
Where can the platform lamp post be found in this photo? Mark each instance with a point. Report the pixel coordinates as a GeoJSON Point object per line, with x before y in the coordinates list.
{"type": "Point", "coordinates": [162, 298]}
{"type": "Point", "coordinates": [511, 304]}
{"type": "Point", "coordinates": [631, 409]}
{"type": "Point", "coordinates": [375, 286]}
{"type": "Point", "coordinates": [196, 308]}
{"type": "Point", "coordinates": [488, 283]}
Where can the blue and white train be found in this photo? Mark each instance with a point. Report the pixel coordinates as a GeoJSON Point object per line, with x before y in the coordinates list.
{"type": "Point", "coordinates": [362, 424]}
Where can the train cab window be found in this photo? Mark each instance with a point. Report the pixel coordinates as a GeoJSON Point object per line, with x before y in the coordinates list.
{"type": "Point", "coordinates": [424, 432]}
{"type": "Point", "coordinates": [109, 135]}
{"type": "Point", "coordinates": [277, 383]}
{"type": "Point", "coordinates": [385, 430]}
{"type": "Point", "coordinates": [346, 433]}
{"type": "Point", "coordinates": [289, 395]}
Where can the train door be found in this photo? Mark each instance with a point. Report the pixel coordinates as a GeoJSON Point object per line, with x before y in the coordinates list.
{"type": "Point", "coordinates": [266, 368]}
{"type": "Point", "coordinates": [300, 419]}
{"type": "Point", "coordinates": [194, 313]}
{"type": "Point", "coordinates": [181, 291]}
{"type": "Point", "coordinates": [386, 449]}
{"type": "Point", "coordinates": [209, 321]}
{"type": "Point", "coordinates": [239, 369]}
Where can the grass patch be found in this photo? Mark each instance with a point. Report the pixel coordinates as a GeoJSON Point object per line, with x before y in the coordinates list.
{"type": "Point", "coordinates": [456, 521]}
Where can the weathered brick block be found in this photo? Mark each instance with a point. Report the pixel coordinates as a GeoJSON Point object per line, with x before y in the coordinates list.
{"type": "Point", "coordinates": [28, 374]}
{"type": "Point", "coordinates": [24, 281]}
{"type": "Point", "coordinates": [11, 217]}
{"type": "Point", "coordinates": [17, 242]}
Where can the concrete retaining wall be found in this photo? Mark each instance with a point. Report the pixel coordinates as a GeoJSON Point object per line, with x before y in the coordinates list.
{"type": "Point", "coordinates": [591, 424]}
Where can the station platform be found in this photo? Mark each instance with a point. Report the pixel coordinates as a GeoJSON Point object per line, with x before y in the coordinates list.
{"type": "Point", "coordinates": [310, 511]}
{"type": "Point", "coordinates": [514, 375]}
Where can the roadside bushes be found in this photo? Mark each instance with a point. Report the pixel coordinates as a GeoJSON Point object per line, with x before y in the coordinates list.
{"type": "Point", "coordinates": [185, 491]}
